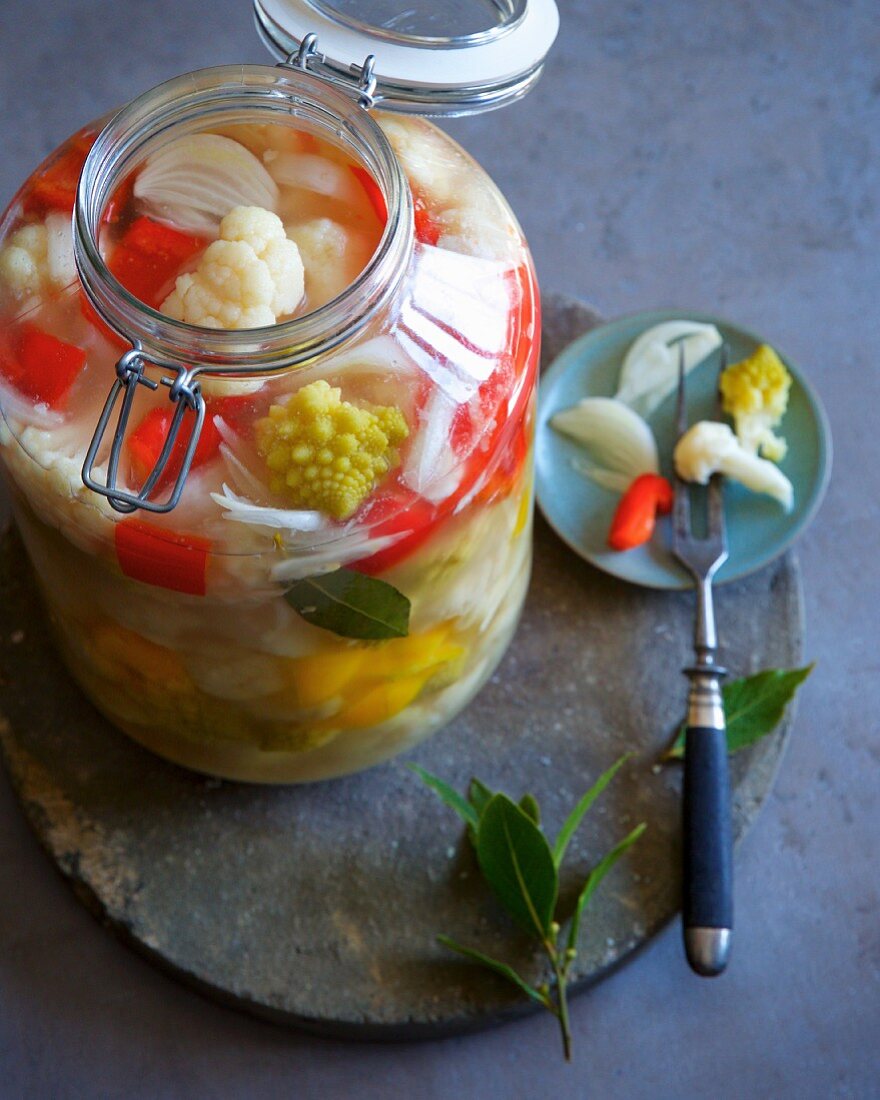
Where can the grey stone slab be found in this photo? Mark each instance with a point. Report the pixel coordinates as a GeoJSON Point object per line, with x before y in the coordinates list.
{"type": "Point", "coordinates": [319, 905]}
{"type": "Point", "coordinates": [723, 157]}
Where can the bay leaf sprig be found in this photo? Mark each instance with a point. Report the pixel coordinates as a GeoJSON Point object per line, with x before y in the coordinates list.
{"type": "Point", "coordinates": [753, 707]}
{"type": "Point", "coordinates": [522, 868]}
{"type": "Point", "coordinates": [351, 604]}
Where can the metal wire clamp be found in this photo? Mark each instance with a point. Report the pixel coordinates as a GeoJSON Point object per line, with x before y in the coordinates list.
{"type": "Point", "coordinates": [309, 59]}
{"type": "Point", "coordinates": [184, 393]}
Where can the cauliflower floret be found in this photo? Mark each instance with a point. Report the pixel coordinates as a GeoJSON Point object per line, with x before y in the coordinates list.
{"type": "Point", "coordinates": [39, 257]}
{"type": "Point", "coordinates": [710, 447]}
{"type": "Point", "coordinates": [755, 394]}
{"type": "Point", "coordinates": [332, 257]}
{"type": "Point", "coordinates": [248, 278]}
{"type": "Point", "coordinates": [326, 454]}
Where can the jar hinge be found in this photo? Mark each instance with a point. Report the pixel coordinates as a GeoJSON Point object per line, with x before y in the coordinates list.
{"type": "Point", "coordinates": [309, 59]}
{"type": "Point", "coordinates": [184, 393]}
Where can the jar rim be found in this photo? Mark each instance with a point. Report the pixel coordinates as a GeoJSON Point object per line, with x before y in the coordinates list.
{"type": "Point", "coordinates": [187, 102]}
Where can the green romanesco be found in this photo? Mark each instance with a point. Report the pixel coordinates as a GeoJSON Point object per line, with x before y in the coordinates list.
{"type": "Point", "coordinates": [755, 394]}
{"type": "Point", "coordinates": [326, 454]}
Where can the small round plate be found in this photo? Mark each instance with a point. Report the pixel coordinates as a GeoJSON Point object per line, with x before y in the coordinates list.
{"type": "Point", "coordinates": [580, 512]}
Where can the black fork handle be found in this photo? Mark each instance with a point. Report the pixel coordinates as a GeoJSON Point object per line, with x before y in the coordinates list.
{"type": "Point", "coordinates": [708, 851]}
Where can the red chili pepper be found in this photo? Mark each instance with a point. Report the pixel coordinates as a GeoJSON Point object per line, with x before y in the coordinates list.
{"type": "Point", "coordinates": [148, 257]}
{"type": "Point", "coordinates": [373, 190]}
{"type": "Point", "coordinates": [44, 368]}
{"type": "Point", "coordinates": [55, 189]}
{"type": "Point", "coordinates": [636, 514]}
{"type": "Point", "coordinates": [160, 557]}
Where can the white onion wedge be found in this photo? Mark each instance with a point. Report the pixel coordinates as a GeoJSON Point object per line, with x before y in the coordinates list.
{"type": "Point", "coordinates": [194, 181]}
{"type": "Point", "coordinates": [621, 444]}
{"type": "Point", "coordinates": [279, 519]}
{"type": "Point", "coordinates": [650, 370]}
{"type": "Point", "coordinates": [312, 173]}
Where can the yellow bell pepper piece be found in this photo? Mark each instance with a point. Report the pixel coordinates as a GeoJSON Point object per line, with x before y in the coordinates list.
{"type": "Point", "coordinates": [318, 679]}
{"type": "Point", "coordinates": [380, 703]}
{"type": "Point", "coordinates": [119, 653]}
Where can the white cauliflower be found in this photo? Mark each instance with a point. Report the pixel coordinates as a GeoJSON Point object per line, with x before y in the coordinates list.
{"type": "Point", "coordinates": [470, 215]}
{"type": "Point", "coordinates": [39, 257]}
{"type": "Point", "coordinates": [248, 278]}
{"type": "Point", "coordinates": [332, 256]}
{"type": "Point", "coordinates": [710, 447]}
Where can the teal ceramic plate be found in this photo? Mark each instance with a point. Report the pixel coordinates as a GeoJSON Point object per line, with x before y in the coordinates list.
{"type": "Point", "coordinates": [580, 511]}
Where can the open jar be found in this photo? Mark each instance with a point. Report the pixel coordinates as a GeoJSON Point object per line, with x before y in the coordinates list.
{"type": "Point", "coordinates": [294, 539]}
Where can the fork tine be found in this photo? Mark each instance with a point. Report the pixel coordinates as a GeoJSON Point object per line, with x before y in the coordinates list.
{"type": "Point", "coordinates": [715, 493]}
{"type": "Point", "coordinates": [681, 418]}
{"type": "Point", "coordinates": [719, 401]}
{"type": "Point", "coordinates": [715, 508]}
{"type": "Point", "coordinates": [681, 527]}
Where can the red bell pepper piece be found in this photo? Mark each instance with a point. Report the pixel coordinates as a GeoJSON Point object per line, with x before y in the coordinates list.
{"type": "Point", "coordinates": [160, 557]}
{"type": "Point", "coordinates": [637, 511]}
{"type": "Point", "coordinates": [426, 229]}
{"type": "Point", "coordinates": [119, 202]}
{"type": "Point", "coordinates": [145, 443]}
{"type": "Point", "coordinates": [148, 257]}
{"type": "Point", "coordinates": [147, 440]}
{"type": "Point", "coordinates": [44, 368]}
{"type": "Point", "coordinates": [373, 190]}
{"type": "Point", "coordinates": [55, 189]}
{"type": "Point", "coordinates": [399, 509]}
{"type": "Point", "coordinates": [395, 511]}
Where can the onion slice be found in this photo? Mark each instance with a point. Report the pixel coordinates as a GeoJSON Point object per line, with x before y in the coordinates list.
{"type": "Point", "coordinates": [279, 519]}
{"type": "Point", "coordinates": [621, 444]}
{"type": "Point", "coordinates": [194, 181]}
{"type": "Point", "coordinates": [650, 370]}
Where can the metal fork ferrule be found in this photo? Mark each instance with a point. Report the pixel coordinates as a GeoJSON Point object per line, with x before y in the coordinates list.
{"type": "Point", "coordinates": [705, 701]}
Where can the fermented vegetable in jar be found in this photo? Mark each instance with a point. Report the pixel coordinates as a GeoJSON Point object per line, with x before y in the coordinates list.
{"type": "Point", "coordinates": [295, 538]}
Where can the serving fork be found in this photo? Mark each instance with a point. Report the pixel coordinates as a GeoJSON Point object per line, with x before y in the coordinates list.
{"type": "Point", "coordinates": [708, 847]}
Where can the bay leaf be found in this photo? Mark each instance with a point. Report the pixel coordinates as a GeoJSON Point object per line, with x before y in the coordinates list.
{"type": "Point", "coordinates": [351, 604]}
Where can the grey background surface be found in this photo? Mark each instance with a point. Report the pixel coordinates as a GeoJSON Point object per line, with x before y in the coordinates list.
{"type": "Point", "coordinates": [718, 157]}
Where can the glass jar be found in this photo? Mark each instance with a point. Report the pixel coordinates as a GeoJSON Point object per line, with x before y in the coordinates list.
{"type": "Point", "coordinates": [276, 552]}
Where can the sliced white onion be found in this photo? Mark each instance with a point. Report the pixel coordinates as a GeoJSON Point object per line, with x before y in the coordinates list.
{"type": "Point", "coordinates": [312, 173]}
{"type": "Point", "coordinates": [245, 480]}
{"type": "Point", "coordinates": [21, 411]}
{"type": "Point", "coordinates": [242, 510]}
{"type": "Point", "coordinates": [430, 467]}
{"type": "Point", "coordinates": [194, 181]}
{"type": "Point", "coordinates": [324, 558]}
{"type": "Point", "coordinates": [607, 479]}
{"type": "Point", "coordinates": [618, 439]}
{"type": "Point", "coordinates": [650, 370]}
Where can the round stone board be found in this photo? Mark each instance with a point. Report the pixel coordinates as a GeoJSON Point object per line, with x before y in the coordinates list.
{"type": "Point", "coordinates": [319, 905]}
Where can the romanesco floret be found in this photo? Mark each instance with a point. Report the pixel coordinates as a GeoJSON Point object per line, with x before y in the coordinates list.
{"type": "Point", "coordinates": [39, 257]}
{"type": "Point", "coordinates": [248, 278]}
{"type": "Point", "coordinates": [326, 454]}
{"type": "Point", "coordinates": [755, 394]}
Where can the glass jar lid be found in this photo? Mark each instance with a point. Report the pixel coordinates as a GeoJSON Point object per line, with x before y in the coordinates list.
{"type": "Point", "coordinates": [457, 58]}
